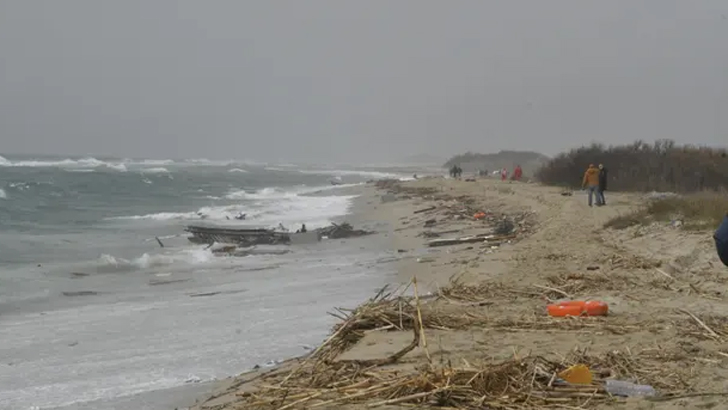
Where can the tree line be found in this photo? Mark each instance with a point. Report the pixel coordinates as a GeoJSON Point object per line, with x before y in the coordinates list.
{"type": "Point", "coordinates": [662, 166]}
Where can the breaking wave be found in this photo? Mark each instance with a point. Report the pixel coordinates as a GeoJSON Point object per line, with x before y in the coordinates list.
{"type": "Point", "coordinates": [237, 170]}
{"type": "Point", "coordinates": [156, 170]}
{"type": "Point", "coordinates": [3, 195]}
{"type": "Point", "coordinates": [108, 263]}
{"type": "Point", "coordinates": [268, 207]}
{"type": "Point", "coordinates": [366, 174]}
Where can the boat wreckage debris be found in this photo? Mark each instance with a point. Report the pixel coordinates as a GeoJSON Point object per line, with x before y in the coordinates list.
{"type": "Point", "coordinates": [246, 237]}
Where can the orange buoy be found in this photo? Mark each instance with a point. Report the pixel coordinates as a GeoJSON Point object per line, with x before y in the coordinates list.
{"type": "Point", "coordinates": [479, 215]}
{"type": "Point", "coordinates": [578, 308]}
{"type": "Point", "coordinates": [564, 310]}
{"type": "Point", "coordinates": [596, 308]}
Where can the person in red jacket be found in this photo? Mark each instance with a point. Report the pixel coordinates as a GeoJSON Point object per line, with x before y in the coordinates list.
{"type": "Point", "coordinates": [517, 173]}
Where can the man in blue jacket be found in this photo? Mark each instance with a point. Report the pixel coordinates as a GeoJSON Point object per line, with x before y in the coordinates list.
{"type": "Point", "coordinates": [721, 240]}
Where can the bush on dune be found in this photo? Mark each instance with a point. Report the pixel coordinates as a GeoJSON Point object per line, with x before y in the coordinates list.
{"type": "Point", "coordinates": [699, 174]}
{"type": "Point", "coordinates": [699, 211]}
{"type": "Point", "coordinates": [662, 166]}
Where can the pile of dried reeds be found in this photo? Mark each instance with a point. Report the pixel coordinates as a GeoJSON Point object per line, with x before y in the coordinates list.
{"type": "Point", "coordinates": [517, 383]}
{"type": "Point", "coordinates": [571, 284]}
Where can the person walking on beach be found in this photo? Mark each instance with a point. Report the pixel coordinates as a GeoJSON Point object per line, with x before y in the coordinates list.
{"type": "Point", "coordinates": [602, 185]}
{"type": "Point", "coordinates": [721, 240]}
{"type": "Point", "coordinates": [517, 173]}
{"type": "Point", "coordinates": [591, 183]}
{"type": "Point", "coordinates": [504, 174]}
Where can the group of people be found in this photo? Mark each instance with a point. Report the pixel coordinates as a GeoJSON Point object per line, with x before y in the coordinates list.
{"type": "Point", "coordinates": [456, 171]}
{"type": "Point", "coordinates": [595, 182]}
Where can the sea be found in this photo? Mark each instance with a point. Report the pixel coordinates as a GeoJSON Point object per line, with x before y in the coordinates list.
{"type": "Point", "coordinates": [95, 313]}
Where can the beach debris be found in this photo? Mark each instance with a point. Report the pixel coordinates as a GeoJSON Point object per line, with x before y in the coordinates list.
{"type": "Point", "coordinates": [159, 241]}
{"type": "Point", "coordinates": [628, 389]}
{"type": "Point", "coordinates": [340, 231]}
{"type": "Point", "coordinates": [488, 238]}
{"type": "Point", "coordinates": [578, 308]}
{"type": "Point", "coordinates": [236, 235]}
{"type": "Point", "coordinates": [504, 227]}
{"type": "Point", "coordinates": [419, 211]}
{"type": "Point", "coordinates": [80, 293]}
{"type": "Point", "coordinates": [248, 237]}
{"type": "Point", "coordinates": [221, 292]}
{"type": "Point", "coordinates": [224, 249]}
{"type": "Point", "coordinates": [577, 374]}
{"type": "Point", "coordinates": [76, 275]}
{"type": "Point", "coordinates": [157, 282]}
{"type": "Point", "coordinates": [430, 222]}
{"type": "Point", "coordinates": [196, 295]}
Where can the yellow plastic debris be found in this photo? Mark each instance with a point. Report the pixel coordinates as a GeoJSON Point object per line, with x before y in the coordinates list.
{"type": "Point", "coordinates": [577, 374]}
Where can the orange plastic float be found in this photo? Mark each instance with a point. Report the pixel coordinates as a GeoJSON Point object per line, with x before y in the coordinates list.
{"type": "Point", "coordinates": [479, 215]}
{"type": "Point", "coordinates": [578, 308]}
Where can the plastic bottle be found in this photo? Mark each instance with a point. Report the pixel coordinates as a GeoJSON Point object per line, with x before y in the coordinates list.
{"type": "Point", "coordinates": [628, 389]}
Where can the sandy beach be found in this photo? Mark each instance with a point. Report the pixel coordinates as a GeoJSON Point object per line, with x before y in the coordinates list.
{"type": "Point", "coordinates": [482, 338]}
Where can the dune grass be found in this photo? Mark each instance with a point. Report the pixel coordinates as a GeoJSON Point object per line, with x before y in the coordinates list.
{"type": "Point", "coordinates": [697, 212]}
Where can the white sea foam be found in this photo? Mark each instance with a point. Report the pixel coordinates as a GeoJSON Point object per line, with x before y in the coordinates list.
{"type": "Point", "coordinates": [156, 170]}
{"type": "Point", "coordinates": [195, 256]}
{"type": "Point", "coordinates": [268, 207]}
{"type": "Point", "coordinates": [237, 170]}
{"type": "Point", "coordinates": [343, 172]}
{"type": "Point", "coordinates": [116, 167]}
{"type": "Point", "coordinates": [154, 162]}
{"type": "Point", "coordinates": [3, 195]}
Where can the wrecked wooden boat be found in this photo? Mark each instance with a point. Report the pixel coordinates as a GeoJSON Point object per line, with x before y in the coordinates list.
{"type": "Point", "coordinates": [244, 236]}
{"type": "Point", "coordinates": [247, 236]}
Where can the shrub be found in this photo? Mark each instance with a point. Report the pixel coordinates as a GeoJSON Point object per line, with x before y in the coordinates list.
{"type": "Point", "coordinates": [696, 211]}
{"type": "Point", "coordinates": [662, 167]}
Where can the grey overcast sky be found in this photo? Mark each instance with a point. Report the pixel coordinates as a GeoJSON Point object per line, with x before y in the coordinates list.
{"type": "Point", "coordinates": [362, 81]}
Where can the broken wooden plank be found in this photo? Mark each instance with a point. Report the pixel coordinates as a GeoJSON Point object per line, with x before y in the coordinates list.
{"type": "Point", "coordinates": [419, 211]}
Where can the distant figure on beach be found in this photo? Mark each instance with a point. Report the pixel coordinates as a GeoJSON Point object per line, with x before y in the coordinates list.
{"type": "Point", "coordinates": [602, 185]}
{"type": "Point", "coordinates": [303, 228]}
{"type": "Point", "coordinates": [517, 173]}
{"type": "Point", "coordinates": [591, 183]}
{"type": "Point", "coordinates": [504, 174]}
{"type": "Point", "coordinates": [721, 240]}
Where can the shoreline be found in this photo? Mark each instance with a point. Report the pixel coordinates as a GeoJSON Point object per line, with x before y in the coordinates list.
{"type": "Point", "coordinates": [368, 211]}
{"type": "Point", "coordinates": [362, 215]}
{"type": "Point", "coordinates": [487, 314]}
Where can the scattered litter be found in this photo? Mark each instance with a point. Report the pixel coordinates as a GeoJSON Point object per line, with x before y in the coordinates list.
{"type": "Point", "coordinates": [577, 374]}
{"type": "Point", "coordinates": [628, 389]}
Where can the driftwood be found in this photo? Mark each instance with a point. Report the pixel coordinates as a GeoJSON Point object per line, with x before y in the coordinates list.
{"type": "Point", "coordinates": [342, 231]}
{"type": "Point", "coordinates": [488, 238]}
{"type": "Point", "coordinates": [424, 210]}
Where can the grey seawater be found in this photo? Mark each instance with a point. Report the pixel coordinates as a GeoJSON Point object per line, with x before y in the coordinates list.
{"type": "Point", "coordinates": [95, 315]}
{"type": "Point", "coordinates": [132, 345]}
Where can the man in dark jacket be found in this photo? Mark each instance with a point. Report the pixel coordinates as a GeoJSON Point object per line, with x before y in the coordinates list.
{"type": "Point", "coordinates": [602, 185]}
{"type": "Point", "coordinates": [721, 240]}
